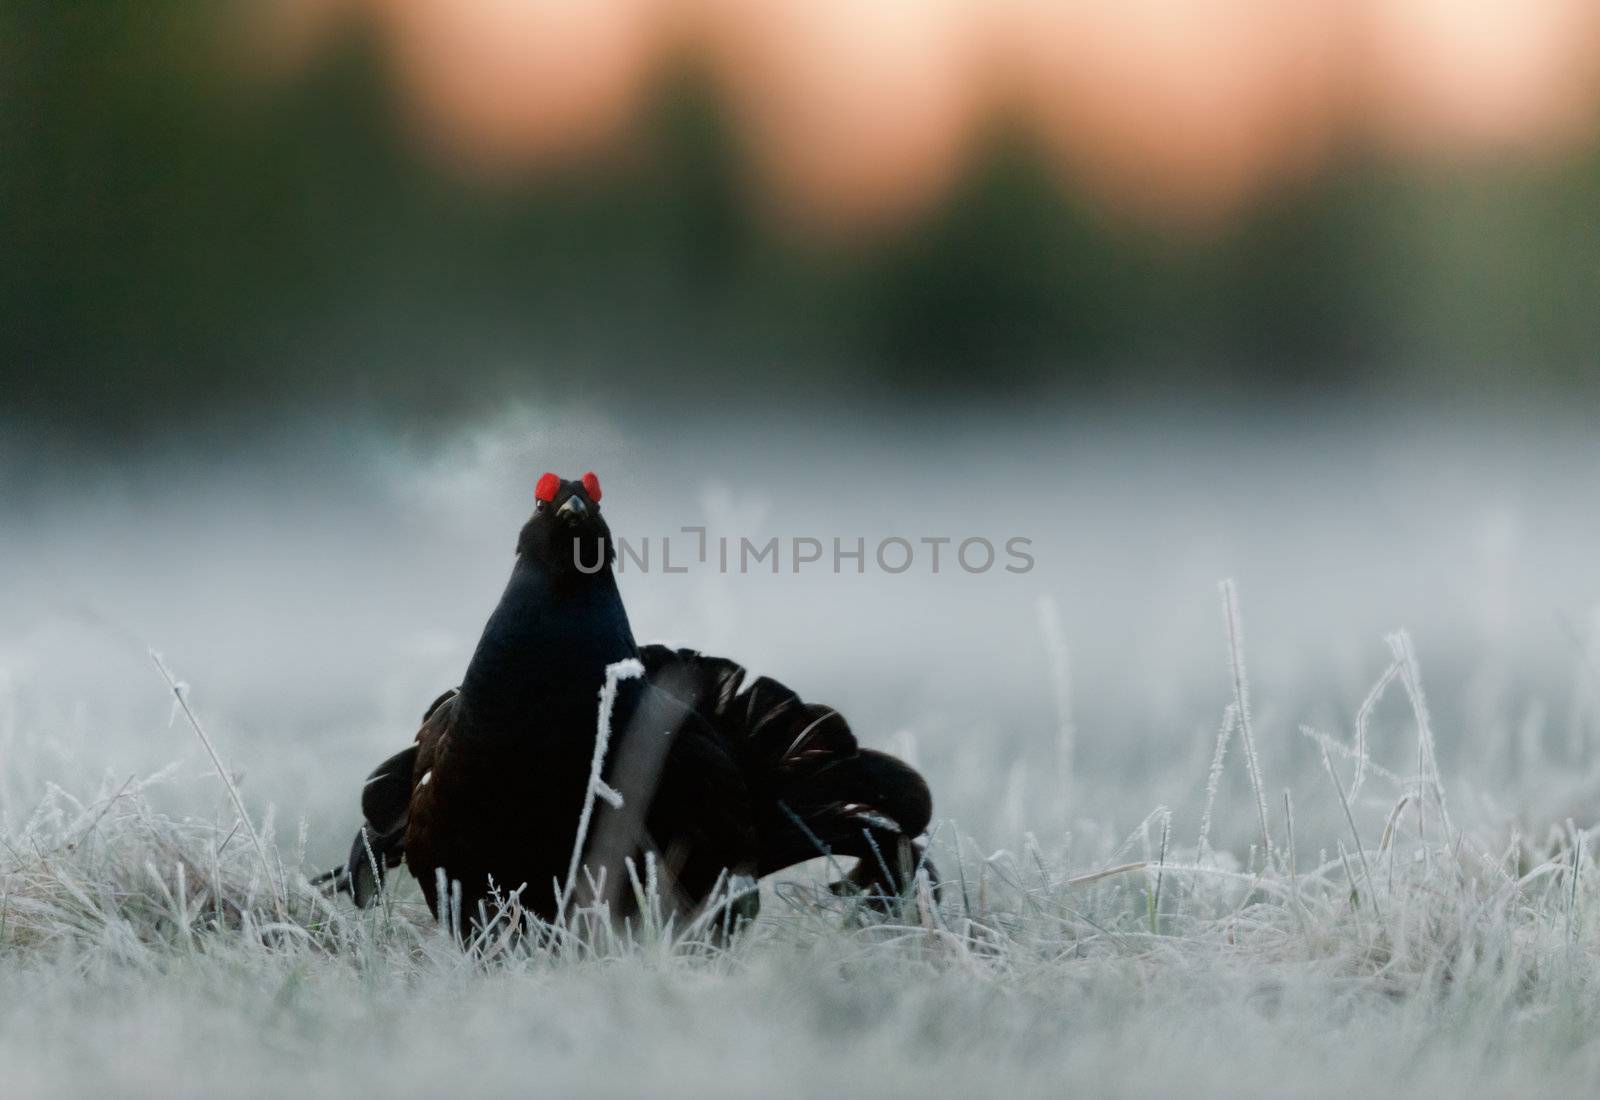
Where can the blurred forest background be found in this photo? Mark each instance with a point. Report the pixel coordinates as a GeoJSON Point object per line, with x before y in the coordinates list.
{"type": "Point", "coordinates": [232, 210]}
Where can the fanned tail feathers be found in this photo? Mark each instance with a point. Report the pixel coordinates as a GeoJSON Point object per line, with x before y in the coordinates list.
{"type": "Point", "coordinates": [816, 791]}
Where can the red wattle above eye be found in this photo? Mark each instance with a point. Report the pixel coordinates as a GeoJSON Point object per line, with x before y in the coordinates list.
{"type": "Point", "coordinates": [591, 485]}
{"type": "Point", "coordinates": [547, 488]}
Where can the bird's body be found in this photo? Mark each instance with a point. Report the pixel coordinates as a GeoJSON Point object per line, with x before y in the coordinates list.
{"type": "Point", "coordinates": [706, 779]}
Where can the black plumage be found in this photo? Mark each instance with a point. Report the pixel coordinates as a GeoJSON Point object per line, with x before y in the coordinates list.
{"type": "Point", "coordinates": [715, 777]}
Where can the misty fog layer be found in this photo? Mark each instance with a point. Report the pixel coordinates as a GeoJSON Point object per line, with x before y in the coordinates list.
{"type": "Point", "coordinates": [318, 582]}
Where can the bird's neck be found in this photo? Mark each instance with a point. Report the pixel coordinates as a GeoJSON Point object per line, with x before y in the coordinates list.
{"type": "Point", "coordinates": [539, 665]}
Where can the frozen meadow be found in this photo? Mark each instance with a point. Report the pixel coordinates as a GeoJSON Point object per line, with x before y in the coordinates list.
{"type": "Point", "coordinates": [1322, 830]}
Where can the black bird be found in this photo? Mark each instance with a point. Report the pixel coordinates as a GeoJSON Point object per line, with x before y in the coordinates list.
{"type": "Point", "coordinates": [705, 777]}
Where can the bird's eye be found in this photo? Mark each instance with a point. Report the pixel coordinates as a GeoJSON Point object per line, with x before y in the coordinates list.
{"type": "Point", "coordinates": [546, 490]}
{"type": "Point", "coordinates": [591, 485]}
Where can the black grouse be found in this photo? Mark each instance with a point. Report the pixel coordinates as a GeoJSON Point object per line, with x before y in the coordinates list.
{"type": "Point", "coordinates": [704, 778]}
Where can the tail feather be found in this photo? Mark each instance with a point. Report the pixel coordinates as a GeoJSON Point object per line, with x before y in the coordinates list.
{"type": "Point", "coordinates": [379, 844]}
{"type": "Point", "coordinates": [766, 724]}
{"type": "Point", "coordinates": [870, 806]}
{"type": "Point", "coordinates": [816, 791]}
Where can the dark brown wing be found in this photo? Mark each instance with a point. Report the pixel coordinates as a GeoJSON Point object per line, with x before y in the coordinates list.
{"type": "Point", "coordinates": [419, 830]}
{"type": "Point", "coordinates": [380, 844]}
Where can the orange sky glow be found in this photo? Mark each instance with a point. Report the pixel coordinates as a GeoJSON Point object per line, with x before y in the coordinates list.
{"type": "Point", "coordinates": [857, 113]}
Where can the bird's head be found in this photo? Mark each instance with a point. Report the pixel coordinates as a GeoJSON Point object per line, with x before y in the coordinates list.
{"type": "Point", "coordinates": [566, 533]}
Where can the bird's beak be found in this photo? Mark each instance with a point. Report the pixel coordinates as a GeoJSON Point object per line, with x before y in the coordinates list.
{"type": "Point", "coordinates": [574, 508]}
